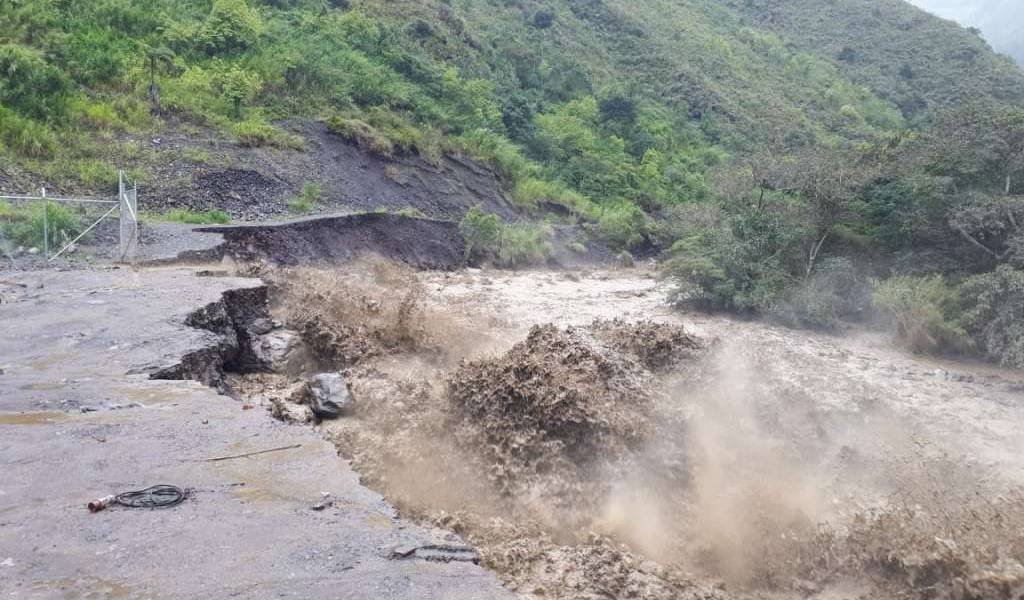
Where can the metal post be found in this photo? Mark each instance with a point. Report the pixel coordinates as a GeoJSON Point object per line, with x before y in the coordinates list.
{"type": "Point", "coordinates": [46, 225]}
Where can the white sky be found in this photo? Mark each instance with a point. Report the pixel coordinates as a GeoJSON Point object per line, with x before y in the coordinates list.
{"type": "Point", "coordinates": [1001, 21]}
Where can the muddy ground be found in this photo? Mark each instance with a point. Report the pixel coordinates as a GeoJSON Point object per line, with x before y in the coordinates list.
{"type": "Point", "coordinates": [592, 443]}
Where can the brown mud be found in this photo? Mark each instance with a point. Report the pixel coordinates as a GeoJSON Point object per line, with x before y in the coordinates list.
{"type": "Point", "coordinates": [591, 443]}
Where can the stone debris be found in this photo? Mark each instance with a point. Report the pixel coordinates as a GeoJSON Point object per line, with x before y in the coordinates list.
{"type": "Point", "coordinates": [280, 351]}
{"type": "Point", "coordinates": [328, 396]}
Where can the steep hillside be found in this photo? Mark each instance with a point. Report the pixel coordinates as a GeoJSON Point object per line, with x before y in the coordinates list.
{"type": "Point", "coordinates": [781, 151]}
{"type": "Point", "coordinates": [901, 53]}
{"type": "Point", "coordinates": [692, 80]}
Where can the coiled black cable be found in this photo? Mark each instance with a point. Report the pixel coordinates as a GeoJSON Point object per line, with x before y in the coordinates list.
{"type": "Point", "coordinates": [157, 496]}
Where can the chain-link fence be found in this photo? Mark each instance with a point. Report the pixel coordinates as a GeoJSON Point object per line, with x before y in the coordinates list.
{"type": "Point", "coordinates": [55, 226]}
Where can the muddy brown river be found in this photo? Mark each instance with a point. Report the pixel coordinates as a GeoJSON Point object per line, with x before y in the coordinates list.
{"type": "Point", "coordinates": [815, 465]}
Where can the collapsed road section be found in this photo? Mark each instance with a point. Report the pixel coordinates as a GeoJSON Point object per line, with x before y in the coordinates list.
{"type": "Point", "coordinates": [80, 419]}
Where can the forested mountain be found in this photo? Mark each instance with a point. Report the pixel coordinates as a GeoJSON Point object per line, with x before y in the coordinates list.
{"type": "Point", "coordinates": [778, 153]}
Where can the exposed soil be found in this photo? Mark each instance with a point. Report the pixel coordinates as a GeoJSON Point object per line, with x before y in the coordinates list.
{"type": "Point", "coordinates": [590, 446]}
{"type": "Point", "coordinates": [203, 171]}
{"type": "Point", "coordinates": [423, 243]}
{"type": "Point", "coordinates": [199, 169]}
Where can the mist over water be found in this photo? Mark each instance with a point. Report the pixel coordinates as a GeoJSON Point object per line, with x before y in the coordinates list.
{"type": "Point", "coordinates": [1000, 21]}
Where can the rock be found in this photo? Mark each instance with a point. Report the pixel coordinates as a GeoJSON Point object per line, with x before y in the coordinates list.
{"type": "Point", "coordinates": [262, 326]}
{"type": "Point", "coordinates": [328, 395]}
{"type": "Point", "coordinates": [403, 551]}
{"type": "Point", "coordinates": [326, 501]}
{"type": "Point", "coordinates": [33, 250]}
{"type": "Point", "coordinates": [280, 351]}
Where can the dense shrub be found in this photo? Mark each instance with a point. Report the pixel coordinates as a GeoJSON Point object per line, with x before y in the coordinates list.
{"type": "Point", "coordinates": [481, 232]}
{"type": "Point", "coordinates": [254, 132]}
{"type": "Point", "coordinates": [26, 137]}
{"type": "Point", "coordinates": [739, 260]}
{"type": "Point", "coordinates": [924, 313]}
{"type": "Point", "coordinates": [994, 314]}
{"type": "Point", "coordinates": [524, 244]}
{"type": "Point", "coordinates": [509, 245]}
{"type": "Point", "coordinates": [623, 226]}
{"type": "Point", "coordinates": [231, 25]}
{"type": "Point", "coordinates": [836, 292]}
{"type": "Point", "coordinates": [29, 84]}
{"type": "Point", "coordinates": [25, 225]}
{"type": "Point", "coordinates": [543, 19]}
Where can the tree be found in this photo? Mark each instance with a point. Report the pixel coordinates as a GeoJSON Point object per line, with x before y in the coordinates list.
{"type": "Point", "coordinates": [31, 85]}
{"type": "Point", "coordinates": [990, 225]}
{"type": "Point", "coordinates": [980, 147]}
{"type": "Point", "coordinates": [157, 57]}
{"type": "Point", "coordinates": [826, 181]}
{"type": "Point", "coordinates": [231, 25]}
{"type": "Point", "coordinates": [239, 85]}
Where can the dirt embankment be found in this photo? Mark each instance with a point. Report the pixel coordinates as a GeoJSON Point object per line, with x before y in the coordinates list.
{"type": "Point", "coordinates": [422, 243]}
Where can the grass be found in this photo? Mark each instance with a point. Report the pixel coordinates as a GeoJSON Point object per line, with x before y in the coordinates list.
{"type": "Point", "coordinates": [196, 155]}
{"type": "Point", "coordinates": [307, 199]}
{"type": "Point", "coordinates": [23, 225]}
{"type": "Point", "coordinates": [190, 217]}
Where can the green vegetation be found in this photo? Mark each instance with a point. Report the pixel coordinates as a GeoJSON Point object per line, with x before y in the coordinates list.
{"type": "Point", "coordinates": [781, 154]}
{"type": "Point", "coordinates": [509, 245]}
{"type": "Point", "coordinates": [24, 225]}
{"type": "Point", "coordinates": [189, 217]}
{"type": "Point", "coordinates": [307, 199]}
{"type": "Point", "coordinates": [925, 312]}
{"type": "Point", "coordinates": [994, 314]}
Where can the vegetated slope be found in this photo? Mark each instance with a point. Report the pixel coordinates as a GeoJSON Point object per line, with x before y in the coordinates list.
{"type": "Point", "coordinates": [625, 103]}
{"type": "Point", "coordinates": [745, 62]}
{"type": "Point", "coordinates": [776, 147]}
{"type": "Point", "coordinates": [902, 53]}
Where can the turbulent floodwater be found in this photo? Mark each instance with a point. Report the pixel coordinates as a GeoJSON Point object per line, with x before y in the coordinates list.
{"type": "Point", "coordinates": [816, 466]}
{"type": "Point", "coordinates": [970, 410]}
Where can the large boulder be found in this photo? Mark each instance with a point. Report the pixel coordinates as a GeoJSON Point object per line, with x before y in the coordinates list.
{"type": "Point", "coordinates": [281, 351]}
{"type": "Point", "coordinates": [328, 396]}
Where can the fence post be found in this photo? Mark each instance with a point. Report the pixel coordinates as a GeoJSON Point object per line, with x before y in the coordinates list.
{"type": "Point", "coordinates": [129, 225]}
{"type": "Point", "coordinates": [46, 225]}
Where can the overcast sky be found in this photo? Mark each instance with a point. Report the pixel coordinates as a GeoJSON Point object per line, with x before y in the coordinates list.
{"type": "Point", "coordinates": [1001, 21]}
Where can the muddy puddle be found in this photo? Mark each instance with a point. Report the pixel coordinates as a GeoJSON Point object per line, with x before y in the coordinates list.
{"type": "Point", "coordinates": [32, 418]}
{"type": "Point", "coordinates": [591, 442]}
